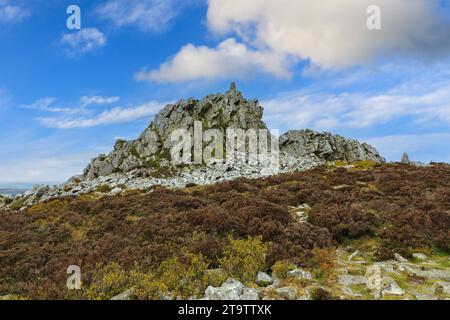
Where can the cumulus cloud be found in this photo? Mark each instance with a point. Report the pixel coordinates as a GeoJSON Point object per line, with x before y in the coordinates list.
{"type": "Point", "coordinates": [228, 60]}
{"type": "Point", "coordinates": [12, 13]}
{"type": "Point", "coordinates": [43, 104]}
{"type": "Point", "coordinates": [115, 115]}
{"type": "Point", "coordinates": [147, 15]}
{"type": "Point", "coordinates": [333, 33]}
{"type": "Point", "coordinates": [273, 36]}
{"type": "Point", "coordinates": [83, 41]}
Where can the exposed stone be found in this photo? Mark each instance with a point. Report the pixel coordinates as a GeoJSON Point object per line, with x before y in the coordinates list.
{"type": "Point", "coordinates": [426, 273]}
{"type": "Point", "coordinates": [299, 274]}
{"type": "Point", "coordinates": [218, 111]}
{"type": "Point", "coordinates": [350, 280]}
{"type": "Point", "coordinates": [419, 256]}
{"type": "Point", "coordinates": [399, 258]}
{"type": "Point", "coordinates": [229, 290]}
{"type": "Point", "coordinates": [349, 292]}
{"type": "Point", "coordinates": [116, 191]}
{"type": "Point", "coordinates": [354, 254]}
{"type": "Point", "coordinates": [424, 296]}
{"type": "Point", "coordinates": [287, 293]}
{"type": "Point", "coordinates": [127, 295]}
{"type": "Point", "coordinates": [306, 147]}
{"type": "Point", "coordinates": [249, 294]}
{"type": "Point", "coordinates": [263, 279]}
{"type": "Point", "coordinates": [391, 288]}
{"type": "Point", "coordinates": [442, 288]}
{"type": "Point", "coordinates": [405, 159]}
{"type": "Point", "coordinates": [301, 213]}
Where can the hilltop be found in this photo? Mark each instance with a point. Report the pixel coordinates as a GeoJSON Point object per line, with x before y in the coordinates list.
{"type": "Point", "coordinates": [147, 161]}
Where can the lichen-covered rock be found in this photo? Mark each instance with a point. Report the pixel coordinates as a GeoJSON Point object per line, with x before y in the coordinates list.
{"type": "Point", "coordinates": [249, 294]}
{"type": "Point", "coordinates": [442, 287]}
{"type": "Point", "coordinates": [150, 151]}
{"type": "Point", "coordinates": [229, 290]}
{"type": "Point", "coordinates": [419, 256]}
{"type": "Point", "coordinates": [263, 279]}
{"type": "Point", "coordinates": [127, 295]}
{"type": "Point", "coordinates": [299, 274]}
{"type": "Point", "coordinates": [304, 147]}
{"type": "Point", "coordinates": [288, 293]}
{"type": "Point", "coordinates": [391, 288]}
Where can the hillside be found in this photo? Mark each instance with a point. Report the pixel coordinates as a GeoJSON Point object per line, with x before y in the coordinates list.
{"type": "Point", "coordinates": [318, 234]}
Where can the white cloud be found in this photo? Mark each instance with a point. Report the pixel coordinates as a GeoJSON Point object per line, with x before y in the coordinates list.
{"type": "Point", "coordinates": [147, 15]}
{"type": "Point", "coordinates": [326, 111]}
{"type": "Point", "coordinates": [333, 33]}
{"type": "Point", "coordinates": [228, 60]}
{"type": "Point", "coordinates": [12, 13]}
{"type": "Point", "coordinates": [115, 115]}
{"type": "Point", "coordinates": [88, 100]}
{"type": "Point", "coordinates": [83, 41]}
{"type": "Point", "coordinates": [47, 104]}
{"type": "Point", "coordinates": [43, 104]}
{"type": "Point", "coordinates": [273, 36]}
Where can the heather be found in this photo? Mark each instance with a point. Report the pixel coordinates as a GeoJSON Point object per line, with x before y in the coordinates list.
{"type": "Point", "coordinates": [400, 208]}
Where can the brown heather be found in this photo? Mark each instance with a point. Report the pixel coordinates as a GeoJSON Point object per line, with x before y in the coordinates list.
{"type": "Point", "coordinates": [402, 207]}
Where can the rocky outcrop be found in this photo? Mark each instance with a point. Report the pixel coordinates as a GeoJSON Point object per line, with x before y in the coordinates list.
{"type": "Point", "coordinates": [150, 153]}
{"type": "Point", "coordinates": [307, 147]}
{"type": "Point", "coordinates": [231, 290]}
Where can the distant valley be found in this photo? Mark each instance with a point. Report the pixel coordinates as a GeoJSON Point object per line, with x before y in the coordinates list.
{"type": "Point", "coordinates": [12, 192]}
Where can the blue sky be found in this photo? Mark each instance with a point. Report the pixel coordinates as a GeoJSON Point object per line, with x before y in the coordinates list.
{"type": "Point", "coordinates": [66, 95]}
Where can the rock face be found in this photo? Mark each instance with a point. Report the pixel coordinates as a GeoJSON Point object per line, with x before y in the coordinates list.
{"type": "Point", "coordinates": [299, 148]}
{"type": "Point", "coordinates": [405, 159]}
{"type": "Point", "coordinates": [151, 151]}
{"type": "Point", "coordinates": [149, 155]}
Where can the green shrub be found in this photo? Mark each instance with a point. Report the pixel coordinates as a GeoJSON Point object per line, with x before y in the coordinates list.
{"type": "Point", "coordinates": [281, 268]}
{"type": "Point", "coordinates": [108, 282]}
{"type": "Point", "coordinates": [244, 258]}
{"type": "Point", "coordinates": [175, 277]}
{"type": "Point", "coordinates": [321, 294]}
{"type": "Point", "coordinates": [216, 277]}
{"type": "Point", "coordinates": [104, 188]}
{"type": "Point", "coordinates": [184, 279]}
{"type": "Point", "coordinates": [324, 263]}
{"type": "Point", "coordinates": [17, 204]}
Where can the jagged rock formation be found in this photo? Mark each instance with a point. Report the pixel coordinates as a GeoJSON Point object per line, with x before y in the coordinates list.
{"type": "Point", "coordinates": [405, 159]}
{"type": "Point", "coordinates": [308, 147]}
{"type": "Point", "coordinates": [151, 151]}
